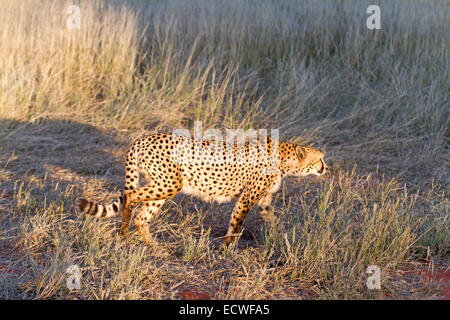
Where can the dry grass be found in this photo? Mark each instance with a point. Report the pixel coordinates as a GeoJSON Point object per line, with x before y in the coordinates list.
{"type": "Point", "coordinates": [375, 101]}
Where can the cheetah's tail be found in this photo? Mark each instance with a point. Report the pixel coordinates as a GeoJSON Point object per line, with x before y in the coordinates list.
{"type": "Point", "coordinates": [100, 210]}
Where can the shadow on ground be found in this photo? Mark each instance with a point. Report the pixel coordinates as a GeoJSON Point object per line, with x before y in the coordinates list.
{"type": "Point", "coordinates": [61, 149]}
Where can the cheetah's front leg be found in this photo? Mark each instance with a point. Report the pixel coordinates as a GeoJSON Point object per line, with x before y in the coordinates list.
{"type": "Point", "coordinates": [264, 204]}
{"type": "Point", "coordinates": [243, 206]}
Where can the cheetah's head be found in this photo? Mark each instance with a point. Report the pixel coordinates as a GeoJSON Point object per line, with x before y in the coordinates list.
{"type": "Point", "coordinates": [308, 161]}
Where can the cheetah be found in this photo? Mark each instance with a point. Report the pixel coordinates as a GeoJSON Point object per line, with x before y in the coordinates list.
{"type": "Point", "coordinates": [211, 170]}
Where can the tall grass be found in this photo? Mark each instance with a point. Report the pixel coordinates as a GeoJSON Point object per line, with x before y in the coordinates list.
{"type": "Point", "coordinates": [376, 101]}
{"type": "Point", "coordinates": [312, 69]}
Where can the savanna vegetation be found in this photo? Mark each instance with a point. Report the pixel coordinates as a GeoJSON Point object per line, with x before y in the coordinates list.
{"type": "Point", "coordinates": [376, 101]}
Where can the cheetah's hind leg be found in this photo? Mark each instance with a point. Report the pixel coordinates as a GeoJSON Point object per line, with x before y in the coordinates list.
{"type": "Point", "coordinates": [126, 221]}
{"type": "Point", "coordinates": [144, 216]}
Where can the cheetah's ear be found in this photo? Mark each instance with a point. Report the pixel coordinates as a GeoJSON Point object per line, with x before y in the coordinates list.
{"type": "Point", "coordinates": [300, 151]}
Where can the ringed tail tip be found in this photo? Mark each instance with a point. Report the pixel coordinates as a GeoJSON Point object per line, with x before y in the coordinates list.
{"type": "Point", "coordinates": [83, 205]}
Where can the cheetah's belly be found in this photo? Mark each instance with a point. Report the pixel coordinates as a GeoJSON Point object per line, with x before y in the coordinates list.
{"type": "Point", "coordinates": [189, 189]}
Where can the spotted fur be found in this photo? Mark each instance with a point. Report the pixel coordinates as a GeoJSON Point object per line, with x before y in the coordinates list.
{"type": "Point", "coordinates": [214, 171]}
